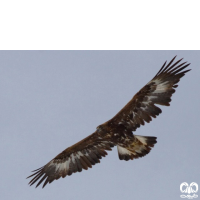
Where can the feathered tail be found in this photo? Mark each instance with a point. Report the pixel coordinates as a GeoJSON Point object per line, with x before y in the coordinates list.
{"type": "Point", "coordinates": [140, 147]}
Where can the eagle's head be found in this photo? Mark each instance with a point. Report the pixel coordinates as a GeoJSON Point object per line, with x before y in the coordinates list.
{"type": "Point", "coordinates": [100, 128]}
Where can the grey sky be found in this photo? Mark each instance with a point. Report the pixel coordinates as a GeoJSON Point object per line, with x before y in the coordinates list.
{"type": "Point", "coordinates": [52, 99]}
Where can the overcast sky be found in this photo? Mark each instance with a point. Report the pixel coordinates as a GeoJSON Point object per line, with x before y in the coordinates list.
{"type": "Point", "coordinates": [52, 99]}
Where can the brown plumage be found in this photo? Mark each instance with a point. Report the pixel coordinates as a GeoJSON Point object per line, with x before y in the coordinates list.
{"type": "Point", "coordinates": [118, 130]}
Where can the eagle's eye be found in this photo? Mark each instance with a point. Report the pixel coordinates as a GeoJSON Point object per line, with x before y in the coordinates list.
{"type": "Point", "coordinates": [99, 128]}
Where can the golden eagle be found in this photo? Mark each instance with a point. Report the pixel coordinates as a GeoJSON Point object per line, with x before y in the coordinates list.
{"type": "Point", "coordinates": [118, 131]}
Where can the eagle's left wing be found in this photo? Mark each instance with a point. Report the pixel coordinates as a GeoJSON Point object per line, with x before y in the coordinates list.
{"type": "Point", "coordinates": [81, 155]}
{"type": "Point", "coordinates": [142, 107]}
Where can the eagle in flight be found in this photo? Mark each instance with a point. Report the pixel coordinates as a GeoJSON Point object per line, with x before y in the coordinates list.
{"type": "Point", "coordinates": [118, 131]}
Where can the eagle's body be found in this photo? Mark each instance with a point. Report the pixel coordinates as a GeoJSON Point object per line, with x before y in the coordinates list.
{"type": "Point", "coordinates": [118, 130]}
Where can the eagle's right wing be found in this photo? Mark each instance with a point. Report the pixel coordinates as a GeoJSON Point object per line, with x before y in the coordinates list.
{"type": "Point", "coordinates": [81, 155]}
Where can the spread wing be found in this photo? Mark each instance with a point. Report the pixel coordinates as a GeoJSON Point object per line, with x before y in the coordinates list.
{"type": "Point", "coordinates": [139, 110]}
{"type": "Point", "coordinates": [159, 90]}
{"type": "Point", "coordinates": [81, 155]}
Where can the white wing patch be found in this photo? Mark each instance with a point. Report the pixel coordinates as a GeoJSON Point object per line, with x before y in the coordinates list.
{"type": "Point", "coordinates": [161, 87]}
{"type": "Point", "coordinates": [59, 167]}
{"type": "Point", "coordinates": [65, 166]}
{"type": "Point", "coordinates": [73, 158]}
